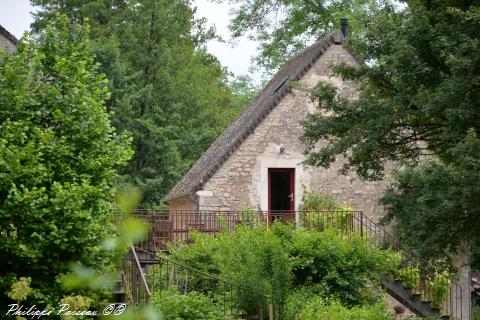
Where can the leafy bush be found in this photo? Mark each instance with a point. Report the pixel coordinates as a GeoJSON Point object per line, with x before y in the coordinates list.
{"type": "Point", "coordinates": [191, 306]}
{"type": "Point", "coordinates": [252, 257]}
{"type": "Point", "coordinates": [288, 264]}
{"type": "Point", "coordinates": [58, 160]}
{"type": "Point", "coordinates": [410, 277]}
{"type": "Point", "coordinates": [298, 297]}
{"type": "Point", "coordinates": [476, 313]}
{"type": "Point", "coordinates": [318, 309]}
{"type": "Point", "coordinates": [320, 212]}
{"type": "Point", "coordinates": [319, 202]}
{"type": "Point", "coordinates": [439, 287]}
{"type": "Point", "coordinates": [347, 269]}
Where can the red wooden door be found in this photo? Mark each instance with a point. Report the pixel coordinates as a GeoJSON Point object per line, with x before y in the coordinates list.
{"type": "Point", "coordinates": [281, 194]}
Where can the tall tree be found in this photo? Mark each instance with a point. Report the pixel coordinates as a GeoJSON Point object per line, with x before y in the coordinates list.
{"type": "Point", "coordinates": [58, 160]}
{"type": "Point", "coordinates": [419, 100]}
{"type": "Point", "coordinates": [284, 27]}
{"type": "Point", "coordinates": [167, 91]}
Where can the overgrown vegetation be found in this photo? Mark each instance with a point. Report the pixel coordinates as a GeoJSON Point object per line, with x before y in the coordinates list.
{"type": "Point", "coordinates": [318, 309]}
{"type": "Point", "coordinates": [58, 161]}
{"type": "Point", "coordinates": [285, 27]}
{"type": "Point", "coordinates": [418, 106]}
{"type": "Point", "coordinates": [171, 95]}
{"type": "Point", "coordinates": [320, 211]}
{"type": "Point", "coordinates": [288, 264]}
{"type": "Point", "coordinates": [189, 306]}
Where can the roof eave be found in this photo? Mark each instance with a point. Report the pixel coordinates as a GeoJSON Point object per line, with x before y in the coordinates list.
{"type": "Point", "coordinates": [323, 44]}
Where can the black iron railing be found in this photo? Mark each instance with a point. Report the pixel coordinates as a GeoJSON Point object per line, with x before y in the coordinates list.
{"type": "Point", "coordinates": [135, 287]}
{"type": "Point", "coordinates": [158, 274]}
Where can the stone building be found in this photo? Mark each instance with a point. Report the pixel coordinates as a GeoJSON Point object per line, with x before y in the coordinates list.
{"type": "Point", "coordinates": [8, 42]}
{"type": "Point", "coordinates": [257, 161]}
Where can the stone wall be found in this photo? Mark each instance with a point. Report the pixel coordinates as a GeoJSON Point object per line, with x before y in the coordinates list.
{"type": "Point", "coordinates": [243, 179]}
{"type": "Point", "coordinates": [183, 203]}
{"type": "Point", "coordinates": [6, 45]}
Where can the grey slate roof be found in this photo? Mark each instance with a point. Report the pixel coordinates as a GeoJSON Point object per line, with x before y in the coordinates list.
{"type": "Point", "coordinates": [4, 32]}
{"type": "Point", "coordinates": [250, 118]}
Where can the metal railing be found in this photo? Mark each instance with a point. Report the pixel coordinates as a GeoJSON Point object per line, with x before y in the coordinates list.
{"type": "Point", "coordinates": [416, 274]}
{"type": "Point", "coordinates": [175, 225]}
{"type": "Point", "coordinates": [425, 282]}
{"type": "Point", "coordinates": [161, 274]}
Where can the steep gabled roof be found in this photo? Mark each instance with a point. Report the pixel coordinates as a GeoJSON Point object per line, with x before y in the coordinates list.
{"type": "Point", "coordinates": [250, 118]}
{"type": "Point", "coordinates": [4, 32]}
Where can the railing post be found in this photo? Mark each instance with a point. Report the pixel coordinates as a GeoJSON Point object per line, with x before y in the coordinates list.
{"type": "Point", "coordinates": [361, 224]}
{"type": "Point", "coordinates": [270, 311]}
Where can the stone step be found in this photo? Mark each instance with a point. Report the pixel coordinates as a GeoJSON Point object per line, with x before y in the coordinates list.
{"type": "Point", "coordinates": [410, 300]}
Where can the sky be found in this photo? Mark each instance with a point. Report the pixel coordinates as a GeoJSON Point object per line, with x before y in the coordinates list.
{"type": "Point", "coordinates": [15, 17]}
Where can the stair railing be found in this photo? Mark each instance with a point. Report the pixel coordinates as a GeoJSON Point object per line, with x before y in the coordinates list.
{"type": "Point", "coordinates": [135, 286]}
{"type": "Point", "coordinates": [164, 274]}
{"type": "Point", "coordinates": [427, 285]}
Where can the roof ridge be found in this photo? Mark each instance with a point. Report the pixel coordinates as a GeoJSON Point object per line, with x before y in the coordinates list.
{"type": "Point", "coordinates": [8, 35]}
{"type": "Point", "coordinates": [232, 137]}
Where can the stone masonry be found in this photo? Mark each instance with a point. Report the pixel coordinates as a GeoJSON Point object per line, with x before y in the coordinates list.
{"type": "Point", "coordinates": [242, 180]}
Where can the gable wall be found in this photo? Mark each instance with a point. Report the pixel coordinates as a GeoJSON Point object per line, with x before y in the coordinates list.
{"type": "Point", "coordinates": [6, 45]}
{"type": "Point", "coordinates": [243, 179]}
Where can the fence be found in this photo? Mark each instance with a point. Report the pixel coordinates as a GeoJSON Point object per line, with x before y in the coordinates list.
{"type": "Point", "coordinates": [424, 281]}
{"type": "Point", "coordinates": [175, 226]}
{"type": "Point", "coordinates": [161, 274]}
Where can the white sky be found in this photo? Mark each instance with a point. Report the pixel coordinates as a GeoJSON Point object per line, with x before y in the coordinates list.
{"type": "Point", "coordinates": [15, 17]}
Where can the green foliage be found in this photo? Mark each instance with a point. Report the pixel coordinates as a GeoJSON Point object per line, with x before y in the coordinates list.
{"type": "Point", "coordinates": [322, 212]}
{"type": "Point", "coordinates": [76, 303]}
{"type": "Point", "coordinates": [439, 287]}
{"type": "Point", "coordinates": [476, 313]}
{"type": "Point", "coordinates": [319, 202]}
{"type": "Point", "coordinates": [172, 96]}
{"type": "Point", "coordinates": [435, 191]}
{"type": "Point", "coordinates": [419, 97]}
{"type": "Point", "coordinates": [244, 91]}
{"type": "Point", "coordinates": [284, 27]}
{"type": "Point", "coordinates": [250, 217]}
{"type": "Point", "coordinates": [394, 259]}
{"type": "Point", "coordinates": [288, 264]}
{"type": "Point", "coordinates": [20, 289]}
{"type": "Point", "coordinates": [190, 306]}
{"type": "Point", "coordinates": [84, 277]}
{"type": "Point", "coordinates": [58, 160]}
{"type": "Point", "coordinates": [410, 277]}
{"type": "Point", "coordinates": [344, 269]}
{"type": "Point", "coordinates": [259, 261]}
{"type": "Point", "coordinates": [318, 309]}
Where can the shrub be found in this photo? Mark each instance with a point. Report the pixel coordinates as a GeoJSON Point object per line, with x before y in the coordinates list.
{"type": "Point", "coordinates": [191, 306]}
{"type": "Point", "coordinates": [276, 260]}
{"type": "Point", "coordinates": [58, 160]}
{"type": "Point", "coordinates": [410, 277]}
{"type": "Point", "coordinates": [347, 269]}
{"type": "Point", "coordinates": [298, 297]}
{"type": "Point", "coordinates": [476, 312]}
{"type": "Point", "coordinates": [318, 309]}
{"type": "Point", "coordinates": [439, 287]}
{"type": "Point", "coordinates": [320, 212]}
{"type": "Point", "coordinates": [252, 257]}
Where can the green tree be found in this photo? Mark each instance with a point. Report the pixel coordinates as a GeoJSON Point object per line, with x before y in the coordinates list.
{"type": "Point", "coordinates": [419, 100]}
{"type": "Point", "coordinates": [284, 27]}
{"type": "Point", "coordinates": [58, 160]}
{"type": "Point", "coordinates": [244, 90]}
{"type": "Point", "coordinates": [167, 91]}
